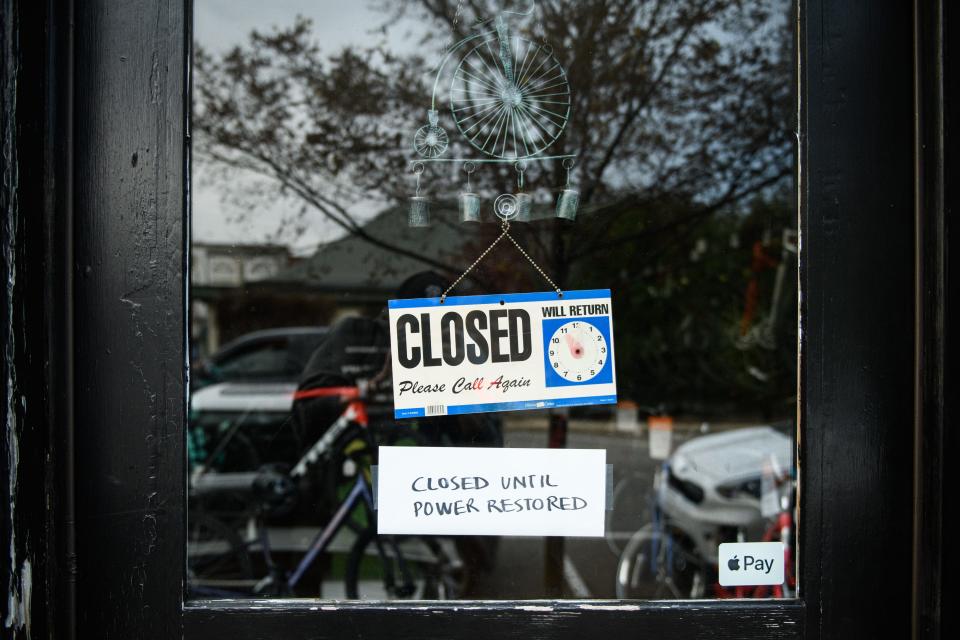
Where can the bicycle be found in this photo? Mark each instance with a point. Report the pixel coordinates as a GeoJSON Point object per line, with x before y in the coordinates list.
{"type": "Point", "coordinates": [779, 529]}
{"type": "Point", "coordinates": [219, 557]}
{"type": "Point", "coordinates": [631, 483]}
{"type": "Point", "coordinates": [661, 560]}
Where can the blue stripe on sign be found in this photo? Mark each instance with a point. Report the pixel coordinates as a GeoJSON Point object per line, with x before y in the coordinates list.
{"type": "Point", "coordinates": [539, 296]}
{"type": "Point", "coordinates": [509, 406]}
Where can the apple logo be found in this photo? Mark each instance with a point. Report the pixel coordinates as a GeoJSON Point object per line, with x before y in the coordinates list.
{"type": "Point", "coordinates": [734, 563]}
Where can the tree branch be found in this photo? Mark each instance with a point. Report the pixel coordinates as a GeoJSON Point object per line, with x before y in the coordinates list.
{"type": "Point", "coordinates": [641, 104]}
{"type": "Point", "coordinates": [338, 215]}
{"type": "Point", "coordinates": [689, 218]}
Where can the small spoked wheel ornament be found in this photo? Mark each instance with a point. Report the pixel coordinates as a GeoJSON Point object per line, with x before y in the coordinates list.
{"type": "Point", "coordinates": [506, 207]}
{"type": "Point", "coordinates": [431, 140]}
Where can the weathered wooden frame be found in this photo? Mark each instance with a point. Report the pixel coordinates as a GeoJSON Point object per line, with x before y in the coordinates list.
{"type": "Point", "coordinates": [128, 214]}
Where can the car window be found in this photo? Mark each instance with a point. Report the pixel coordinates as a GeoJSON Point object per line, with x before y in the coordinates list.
{"type": "Point", "coordinates": [303, 346]}
{"type": "Point", "coordinates": [264, 360]}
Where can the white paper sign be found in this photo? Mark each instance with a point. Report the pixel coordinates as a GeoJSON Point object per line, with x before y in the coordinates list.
{"type": "Point", "coordinates": [505, 352]}
{"type": "Point", "coordinates": [751, 563]}
{"type": "Point", "coordinates": [769, 495]}
{"type": "Point", "coordinates": [473, 491]}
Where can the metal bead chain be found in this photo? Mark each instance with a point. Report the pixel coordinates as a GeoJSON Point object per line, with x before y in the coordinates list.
{"type": "Point", "coordinates": [535, 265]}
{"type": "Point", "coordinates": [456, 21]}
{"type": "Point", "coordinates": [506, 233]}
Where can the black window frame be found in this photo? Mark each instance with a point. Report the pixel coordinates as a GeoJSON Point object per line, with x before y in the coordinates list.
{"type": "Point", "coordinates": [126, 184]}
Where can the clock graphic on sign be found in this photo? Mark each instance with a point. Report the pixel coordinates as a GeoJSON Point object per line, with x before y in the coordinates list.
{"type": "Point", "coordinates": [577, 351]}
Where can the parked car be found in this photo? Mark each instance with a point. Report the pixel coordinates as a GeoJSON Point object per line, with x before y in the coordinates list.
{"type": "Point", "coordinates": [714, 482]}
{"type": "Point", "coordinates": [708, 492]}
{"type": "Point", "coordinates": [248, 386]}
{"type": "Point", "coordinates": [269, 356]}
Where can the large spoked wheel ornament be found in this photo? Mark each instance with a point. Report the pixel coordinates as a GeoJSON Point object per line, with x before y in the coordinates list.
{"type": "Point", "coordinates": [510, 99]}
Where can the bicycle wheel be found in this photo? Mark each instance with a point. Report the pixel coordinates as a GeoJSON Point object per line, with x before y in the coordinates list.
{"type": "Point", "coordinates": [658, 566]}
{"type": "Point", "coordinates": [401, 567]}
{"type": "Point", "coordinates": [218, 562]}
{"type": "Point", "coordinates": [514, 112]}
{"type": "Point", "coordinates": [237, 454]}
{"type": "Point", "coordinates": [630, 508]}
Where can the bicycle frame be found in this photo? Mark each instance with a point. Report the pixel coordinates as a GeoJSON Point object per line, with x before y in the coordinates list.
{"type": "Point", "coordinates": [660, 526]}
{"type": "Point", "coordinates": [780, 529]}
{"type": "Point", "coordinates": [361, 494]}
{"type": "Point", "coordinates": [356, 412]}
{"type": "Point", "coordinates": [360, 491]}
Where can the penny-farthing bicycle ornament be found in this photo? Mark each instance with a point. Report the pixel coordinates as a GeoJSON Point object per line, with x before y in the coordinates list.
{"type": "Point", "coordinates": [509, 100]}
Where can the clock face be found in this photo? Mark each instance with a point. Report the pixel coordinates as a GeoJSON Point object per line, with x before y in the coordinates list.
{"type": "Point", "coordinates": [577, 351]}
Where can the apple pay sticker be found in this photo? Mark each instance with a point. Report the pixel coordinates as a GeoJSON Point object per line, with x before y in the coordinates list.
{"type": "Point", "coordinates": [751, 563]}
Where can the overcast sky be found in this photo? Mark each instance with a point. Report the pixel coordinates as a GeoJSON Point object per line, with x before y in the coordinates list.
{"type": "Point", "coordinates": [222, 24]}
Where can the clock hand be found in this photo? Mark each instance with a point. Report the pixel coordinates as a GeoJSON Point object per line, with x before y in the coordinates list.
{"type": "Point", "coordinates": [576, 349]}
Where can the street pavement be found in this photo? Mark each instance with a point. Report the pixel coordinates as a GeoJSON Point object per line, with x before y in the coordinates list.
{"type": "Point", "coordinates": [589, 564]}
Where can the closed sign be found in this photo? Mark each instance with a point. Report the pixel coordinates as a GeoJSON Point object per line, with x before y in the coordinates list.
{"type": "Point", "coordinates": [505, 352]}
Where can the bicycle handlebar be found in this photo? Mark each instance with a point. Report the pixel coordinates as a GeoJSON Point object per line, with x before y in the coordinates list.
{"type": "Point", "coordinates": [344, 393]}
{"type": "Point", "coordinates": [364, 391]}
{"type": "Point", "coordinates": [213, 483]}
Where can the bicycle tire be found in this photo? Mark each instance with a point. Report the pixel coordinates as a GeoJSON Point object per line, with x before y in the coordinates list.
{"type": "Point", "coordinates": [216, 571]}
{"type": "Point", "coordinates": [402, 576]}
{"type": "Point", "coordinates": [616, 511]}
{"type": "Point", "coordinates": [636, 580]}
{"type": "Point", "coordinates": [357, 567]}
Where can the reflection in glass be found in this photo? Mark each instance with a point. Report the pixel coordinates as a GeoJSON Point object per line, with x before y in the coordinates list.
{"type": "Point", "coordinates": [652, 142]}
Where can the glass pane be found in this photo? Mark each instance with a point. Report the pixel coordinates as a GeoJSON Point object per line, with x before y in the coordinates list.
{"type": "Point", "coordinates": [347, 154]}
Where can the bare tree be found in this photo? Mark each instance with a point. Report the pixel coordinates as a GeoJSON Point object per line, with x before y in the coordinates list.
{"type": "Point", "coordinates": [679, 107]}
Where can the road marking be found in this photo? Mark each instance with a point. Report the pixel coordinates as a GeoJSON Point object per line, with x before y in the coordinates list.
{"type": "Point", "coordinates": [574, 579]}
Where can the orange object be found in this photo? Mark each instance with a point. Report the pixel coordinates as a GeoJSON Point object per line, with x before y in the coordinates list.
{"type": "Point", "coordinates": [346, 393]}
{"type": "Point", "coordinates": [760, 262]}
{"type": "Point", "coordinates": [660, 422]}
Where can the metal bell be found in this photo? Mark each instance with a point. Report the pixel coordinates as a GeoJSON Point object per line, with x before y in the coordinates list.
{"type": "Point", "coordinates": [524, 207]}
{"type": "Point", "coordinates": [567, 204]}
{"type": "Point", "coordinates": [419, 212]}
{"type": "Point", "coordinates": [469, 207]}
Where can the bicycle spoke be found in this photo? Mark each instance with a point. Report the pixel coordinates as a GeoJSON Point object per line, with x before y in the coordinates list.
{"type": "Point", "coordinates": [506, 119]}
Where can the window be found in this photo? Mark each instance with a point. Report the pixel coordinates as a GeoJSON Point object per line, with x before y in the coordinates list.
{"type": "Point", "coordinates": [123, 331]}
{"type": "Point", "coordinates": [373, 153]}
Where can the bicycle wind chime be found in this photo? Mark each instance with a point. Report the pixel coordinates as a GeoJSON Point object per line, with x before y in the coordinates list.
{"type": "Point", "coordinates": [510, 99]}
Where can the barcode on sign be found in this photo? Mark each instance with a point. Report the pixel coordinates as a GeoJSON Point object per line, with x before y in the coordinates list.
{"type": "Point", "coordinates": [436, 410]}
